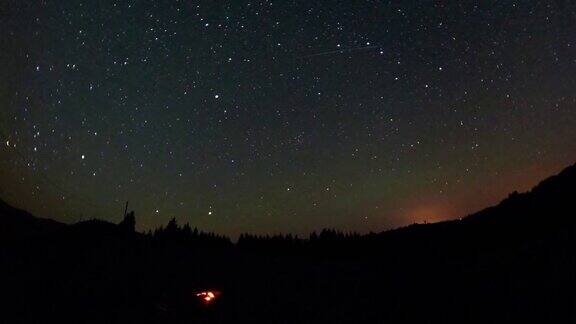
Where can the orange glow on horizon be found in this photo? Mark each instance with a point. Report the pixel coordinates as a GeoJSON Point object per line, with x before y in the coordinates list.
{"type": "Point", "coordinates": [430, 213]}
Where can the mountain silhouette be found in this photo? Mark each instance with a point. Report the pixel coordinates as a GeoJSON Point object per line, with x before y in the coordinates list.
{"type": "Point", "coordinates": [17, 223]}
{"type": "Point", "coordinates": [513, 262]}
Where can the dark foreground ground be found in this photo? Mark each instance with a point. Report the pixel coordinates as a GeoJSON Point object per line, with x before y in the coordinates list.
{"type": "Point", "coordinates": [512, 263]}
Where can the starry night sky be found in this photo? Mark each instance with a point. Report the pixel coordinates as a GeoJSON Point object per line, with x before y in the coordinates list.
{"type": "Point", "coordinates": [282, 116]}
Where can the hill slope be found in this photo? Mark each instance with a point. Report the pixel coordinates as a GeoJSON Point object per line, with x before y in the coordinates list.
{"type": "Point", "coordinates": [17, 223]}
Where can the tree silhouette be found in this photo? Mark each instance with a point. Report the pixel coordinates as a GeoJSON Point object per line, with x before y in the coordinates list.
{"type": "Point", "coordinates": [128, 224]}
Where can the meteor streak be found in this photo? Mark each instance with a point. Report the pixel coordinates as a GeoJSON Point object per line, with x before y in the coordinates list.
{"type": "Point", "coordinates": [341, 51]}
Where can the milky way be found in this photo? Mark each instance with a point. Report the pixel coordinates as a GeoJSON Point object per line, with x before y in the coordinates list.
{"type": "Point", "coordinates": [282, 116]}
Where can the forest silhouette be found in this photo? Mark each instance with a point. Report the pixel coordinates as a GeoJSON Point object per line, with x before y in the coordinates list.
{"type": "Point", "coordinates": [511, 263]}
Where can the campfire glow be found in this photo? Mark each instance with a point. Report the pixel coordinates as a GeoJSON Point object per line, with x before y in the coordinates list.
{"type": "Point", "coordinates": [208, 296]}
